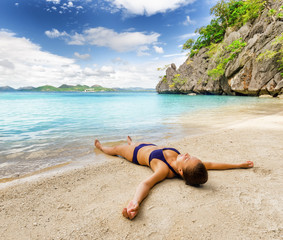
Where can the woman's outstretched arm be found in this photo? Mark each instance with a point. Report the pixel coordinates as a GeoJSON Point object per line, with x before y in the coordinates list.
{"type": "Point", "coordinates": [225, 166]}
{"type": "Point", "coordinates": [141, 193]}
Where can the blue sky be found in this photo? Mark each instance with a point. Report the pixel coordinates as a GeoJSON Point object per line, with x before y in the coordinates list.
{"type": "Point", "coordinates": [113, 43]}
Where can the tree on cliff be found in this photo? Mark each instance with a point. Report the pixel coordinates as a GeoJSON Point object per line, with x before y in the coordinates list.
{"type": "Point", "coordinates": [227, 14]}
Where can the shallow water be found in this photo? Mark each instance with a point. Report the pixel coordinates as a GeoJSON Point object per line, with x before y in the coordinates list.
{"type": "Point", "coordinates": [39, 130]}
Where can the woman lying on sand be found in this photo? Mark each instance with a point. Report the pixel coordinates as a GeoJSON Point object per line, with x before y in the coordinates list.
{"type": "Point", "coordinates": [165, 163]}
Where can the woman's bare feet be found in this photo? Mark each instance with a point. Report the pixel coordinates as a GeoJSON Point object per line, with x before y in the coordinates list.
{"type": "Point", "coordinates": [247, 164]}
{"type": "Point", "coordinates": [98, 144]}
{"type": "Point", "coordinates": [129, 140]}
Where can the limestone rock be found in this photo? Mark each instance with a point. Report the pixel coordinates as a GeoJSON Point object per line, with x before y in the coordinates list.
{"type": "Point", "coordinates": [245, 30]}
{"type": "Point", "coordinates": [279, 86]}
{"type": "Point", "coordinates": [240, 82]}
{"type": "Point", "coordinates": [232, 37]}
{"type": "Point", "coordinates": [244, 75]}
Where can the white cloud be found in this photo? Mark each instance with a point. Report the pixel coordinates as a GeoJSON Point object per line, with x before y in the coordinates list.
{"type": "Point", "coordinates": [82, 56]}
{"type": "Point", "coordinates": [149, 7]}
{"type": "Point", "coordinates": [7, 64]}
{"type": "Point", "coordinates": [120, 42]}
{"type": "Point", "coordinates": [54, 1]}
{"type": "Point", "coordinates": [144, 75]}
{"type": "Point", "coordinates": [24, 63]}
{"type": "Point", "coordinates": [142, 51]}
{"type": "Point", "coordinates": [104, 37]}
{"type": "Point", "coordinates": [54, 33]}
{"type": "Point", "coordinates": [187, 36]}
{"type": "Point", "coordinates": [107, 69]}
{"type": "Point", "coordinates": [188, 21]}
{"type": "Point", "coordinates": [76, 39]}
{"type": "Point", "coordinates": [67, 6]}
{"type": "Point", "coordinates": [158, 49]}
{"type": "Point", "coordinates": [98, 73]}
{"type": "Point", "coordinates": [212, 2]}
{"type": "Point", "coordinates": [130, 29]}
{"type": "Point", "coordinates": [175, 55]}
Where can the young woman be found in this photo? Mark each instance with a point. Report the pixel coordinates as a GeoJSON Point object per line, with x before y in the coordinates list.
{"type": "Point", "coordinates": [165, 163]}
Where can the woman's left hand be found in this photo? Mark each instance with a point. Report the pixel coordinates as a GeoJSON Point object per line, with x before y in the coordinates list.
{"type": "Point", "coordinates": [247, 164]}
{"type": "Point", "coordinates": [132, 210]}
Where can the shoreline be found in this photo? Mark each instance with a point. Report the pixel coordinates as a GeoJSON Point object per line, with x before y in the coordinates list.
{"type": "Point", "coordinates": [164, 130]}
{"type": "Point", "coordinates": [193, 124]}
{"type": "Point", "coordinates": [86, 202]}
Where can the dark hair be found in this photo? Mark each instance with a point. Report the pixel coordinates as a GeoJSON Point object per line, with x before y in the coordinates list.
{"type": "Point", "coordinates": [196, 175]}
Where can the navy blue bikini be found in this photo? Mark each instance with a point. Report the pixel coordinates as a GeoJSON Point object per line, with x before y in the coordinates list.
{"type": "Point", "coordinates": [135, 155]}
{"type": "Point", "coordinates": [158, 154]}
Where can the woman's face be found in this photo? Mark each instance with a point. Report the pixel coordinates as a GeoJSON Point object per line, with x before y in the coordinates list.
{"type": "Point", "coordinates": [186, 160]}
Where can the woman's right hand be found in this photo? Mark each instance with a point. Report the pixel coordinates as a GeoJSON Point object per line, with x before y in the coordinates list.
{"type": "Point", "coordinates": [131, 210]}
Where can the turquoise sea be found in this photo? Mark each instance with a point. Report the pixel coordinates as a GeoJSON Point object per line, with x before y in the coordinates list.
{"type": "Point", "coordinates": [38, 130]}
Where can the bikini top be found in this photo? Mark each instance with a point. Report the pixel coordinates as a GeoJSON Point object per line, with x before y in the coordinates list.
{"type": "Point", "coordinates": [158, 154]}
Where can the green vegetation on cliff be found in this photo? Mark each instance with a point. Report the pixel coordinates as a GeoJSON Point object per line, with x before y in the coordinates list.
{"type": "Point", "coordinates": [267, 54]}
{"type": "Point", "coordinates": [177, 81]}
{"type": "Point", "coordinates": [231, 51]}
{"type": "Point", "coordinates": [231, 13]}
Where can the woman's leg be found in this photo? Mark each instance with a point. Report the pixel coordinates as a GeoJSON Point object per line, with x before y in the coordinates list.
{"type": "Point", "coordinates": [125, 151]}
{"type": "Point", "coordinates": [130, 142]}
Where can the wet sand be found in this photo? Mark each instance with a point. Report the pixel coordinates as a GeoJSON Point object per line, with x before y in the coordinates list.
{"type": "Point", "coordinates": [86, 203]}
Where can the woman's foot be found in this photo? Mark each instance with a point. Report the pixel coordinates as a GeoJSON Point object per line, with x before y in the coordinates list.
{"type": "Point", "coordinates": [129, 140]}
{"type": "Point", "coordinates": [98, 144]}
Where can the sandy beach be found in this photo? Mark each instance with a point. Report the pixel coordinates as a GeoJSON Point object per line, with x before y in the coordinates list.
{"type": "Point", "coordinates": [86, 203]}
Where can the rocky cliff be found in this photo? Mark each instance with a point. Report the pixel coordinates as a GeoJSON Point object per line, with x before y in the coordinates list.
{"type": "Point", "coordinates": [253, 70]}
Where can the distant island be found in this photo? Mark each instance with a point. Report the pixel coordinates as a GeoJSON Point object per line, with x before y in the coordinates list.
{"type": "Point", "coordinates": [71, 88]}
